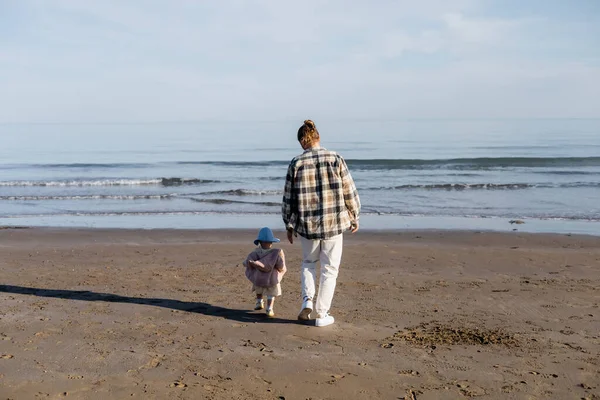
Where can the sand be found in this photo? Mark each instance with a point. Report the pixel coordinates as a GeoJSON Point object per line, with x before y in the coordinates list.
{"type": "Point", "coordinates": [167, 314]}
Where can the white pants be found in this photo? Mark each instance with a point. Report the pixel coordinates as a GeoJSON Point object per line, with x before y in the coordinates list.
{"type": "Point", "coordinates": [329, 253]}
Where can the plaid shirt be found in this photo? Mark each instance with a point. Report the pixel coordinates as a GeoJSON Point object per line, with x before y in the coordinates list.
{"type": "Point", "coordinates": [320, 199]}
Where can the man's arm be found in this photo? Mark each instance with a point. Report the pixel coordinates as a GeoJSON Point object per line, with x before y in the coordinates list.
{"type": "Point", "coordinates": [289, 205]}
{"type": "Point", "coordinates": [351, 198]}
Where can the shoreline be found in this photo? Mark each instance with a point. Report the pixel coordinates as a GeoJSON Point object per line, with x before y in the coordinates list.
{"type": "Point", "coordinates": [256, 221]}
{"type": "Point", "coordinates": [13, 235]}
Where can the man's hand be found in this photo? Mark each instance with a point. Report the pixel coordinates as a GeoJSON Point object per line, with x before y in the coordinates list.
{"type": "Point", "coordinates": [354, 227]}
{"type": "Point", "coordinates": [290, 235]}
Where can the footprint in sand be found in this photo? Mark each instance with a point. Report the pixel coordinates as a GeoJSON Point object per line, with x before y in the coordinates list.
{"type": "Point", "coordinates": [155, 362]}
{"type": "Point", "coordinates": [543, 375]}
{"type": "Point", "coordinates": [470, 390]}
{"type": "Point", "coordinates": [508, 388]}
{"type": "Point", "coordinates": [305, 340]}
{"type": "Point", "coordinates": [408, 372]}
{"type": "Point", "coordinates": [412, 394]}
{"type": "Point", "coordinates": [335, 379]}
{"type": "Point", "coordinates": [585, 386]}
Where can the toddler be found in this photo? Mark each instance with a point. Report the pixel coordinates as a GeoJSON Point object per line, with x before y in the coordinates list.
{"type": "Point", "coordinates": [265, 267]}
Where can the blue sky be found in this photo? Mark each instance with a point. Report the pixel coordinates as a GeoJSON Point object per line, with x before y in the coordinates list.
{"type": "Point", "coordinates": [184, 60]}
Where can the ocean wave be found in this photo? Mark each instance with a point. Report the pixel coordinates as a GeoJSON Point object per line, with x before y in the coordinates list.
{"type": "Point", "coordinates": [185, 181]}
{"type": "Point", "coordinates": [228, 201]}
{"type": "Point", "coordinates": [89, 197]}
{"type": "Point", "coordinates": [111, 182]}
{"type": "Point", "coordinates": [95, 165]}
{"type": "Point", "coordinates": [375, 164]}
{"type": "Point", "coordinates": [236, 163]}
{"type": "Point", "coordinates": [586, 218]}
{"type": "Point", "coordinates": [476, 163]}
{"type": "Point", "coordinates": [245, 192]}
{"type": "Point", "coordinates": [139, 213]}
{"type": "Point", "coordinates": [487, 186]}
{"type": "Point", "coordinates": [77, 166]}
{"type": "Point", "coordinates": [559, 172]}
{"type": "Point", "coordinates": [91, 182]}
{"type": "Point", "coordinates": [480, 163]}
{"type": "Point", "coordinates": [593, 218]}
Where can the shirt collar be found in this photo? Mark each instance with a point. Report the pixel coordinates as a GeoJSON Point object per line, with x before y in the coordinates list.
{"type": "Point", "coordinates": [319, 147]}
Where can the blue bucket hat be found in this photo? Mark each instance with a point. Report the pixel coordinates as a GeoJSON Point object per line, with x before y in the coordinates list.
{"type": "Point", "coordinates": [266, 235]}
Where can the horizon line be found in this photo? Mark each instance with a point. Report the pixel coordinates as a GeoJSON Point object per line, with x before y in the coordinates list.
{"type": "Point", "coordinates": [266, 121]}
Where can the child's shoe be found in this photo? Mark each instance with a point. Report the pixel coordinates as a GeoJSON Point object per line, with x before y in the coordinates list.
{"type": "Point", "coordinates": [260, 304]}
{"type": "Point", "coordinates": [270, 313]}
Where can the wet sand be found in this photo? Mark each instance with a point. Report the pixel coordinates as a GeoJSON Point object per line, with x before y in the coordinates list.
{"type": "Point", "coordinates": [115, 314]}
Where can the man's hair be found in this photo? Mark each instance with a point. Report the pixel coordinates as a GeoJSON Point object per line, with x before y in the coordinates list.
{"type": "Point", "coordinates": [308, 133]}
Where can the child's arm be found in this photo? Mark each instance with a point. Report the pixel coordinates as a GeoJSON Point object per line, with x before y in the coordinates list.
{"type": "Point", "coordinates": [250, 260]}
{"type": "Point", "coordinates": [280, 266]}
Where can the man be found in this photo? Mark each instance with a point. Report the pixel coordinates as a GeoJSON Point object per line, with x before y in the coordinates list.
{"type": "Point", "coordinates": [320, 202]}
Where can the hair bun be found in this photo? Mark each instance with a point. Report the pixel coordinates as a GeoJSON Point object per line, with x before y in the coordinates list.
{"type": "Point", "coordinates": [310, 124]}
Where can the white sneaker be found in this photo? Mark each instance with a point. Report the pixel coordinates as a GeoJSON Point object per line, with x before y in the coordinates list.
{"type": "Point", "coordinates": [307, 307]}
{"type": "Point", "coordinates": [325, 321]}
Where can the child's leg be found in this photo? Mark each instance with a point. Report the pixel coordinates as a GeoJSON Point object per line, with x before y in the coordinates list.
{"type": "Point", "coordinates": [260, 304]}
{"type": "Point", "coordinates": [270, 302]}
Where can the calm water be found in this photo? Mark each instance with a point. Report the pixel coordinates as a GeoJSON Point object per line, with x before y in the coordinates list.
{"type": "Point", "coordinates": [73, 174]}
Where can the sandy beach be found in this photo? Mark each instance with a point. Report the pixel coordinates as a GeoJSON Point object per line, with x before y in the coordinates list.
{"type": "Point", "coordinates": [167, 314]}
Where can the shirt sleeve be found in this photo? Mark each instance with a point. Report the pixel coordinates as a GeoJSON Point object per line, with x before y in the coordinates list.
{"type": "Point", "coordinates": [351, 197]}
{"type": "Point", "coordinates": [289, 206]}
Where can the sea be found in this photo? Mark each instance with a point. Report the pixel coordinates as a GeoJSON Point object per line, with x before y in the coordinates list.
{"type": "Point", "coordinates": [411, 174]}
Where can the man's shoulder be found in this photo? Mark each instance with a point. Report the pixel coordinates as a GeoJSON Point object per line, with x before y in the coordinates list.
{"type": "Point", "coordinates": [321, 153]}
{"type": "Point", "coordinates": [299, 160]}
{"type": "Point", "coordinates": [295, 159]}
{"type": "Point", "coordinates": [330, 153]}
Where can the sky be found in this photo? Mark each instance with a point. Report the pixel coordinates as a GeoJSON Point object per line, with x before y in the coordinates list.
{"type": "Point", "coordinates": [130, 61]}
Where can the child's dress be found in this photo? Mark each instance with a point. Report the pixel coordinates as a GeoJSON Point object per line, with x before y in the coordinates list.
{"type": "Point", "coordinates": [270, 268]}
